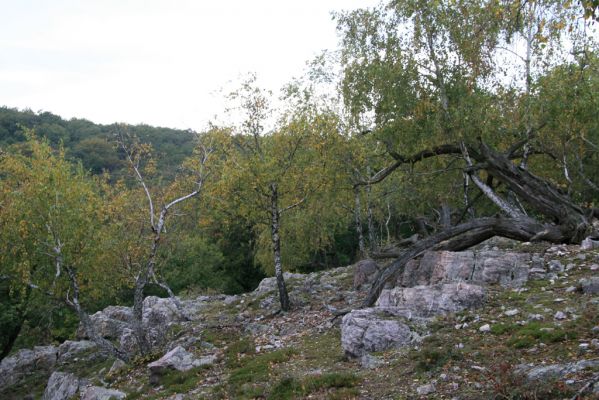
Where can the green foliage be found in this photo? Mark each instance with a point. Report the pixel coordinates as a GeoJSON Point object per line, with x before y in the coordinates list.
{"type": "Point", "coordinates": [291, 388]}
{"type": "Point", "coordinates": [193, 263]}
{"type": "Point", "coordinates": [535, 332]}
{"type": "Point", "coordinates": [434, 353]}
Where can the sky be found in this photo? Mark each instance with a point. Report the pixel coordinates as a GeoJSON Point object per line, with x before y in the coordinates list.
{"type": "Point", "coordinates": [158, 62]}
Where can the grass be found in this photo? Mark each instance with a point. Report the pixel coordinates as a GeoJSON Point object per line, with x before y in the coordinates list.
{"type": "Point", "coordinates": [534, 332]}
{"type": "Point", "coordinates": [434, 353]}
{"type": "Point", "coordinates": [292, 388]}
{"type": "Point", "coordinates": [236, 350]}
{"type": "Point", "coordinates": [243, 380]}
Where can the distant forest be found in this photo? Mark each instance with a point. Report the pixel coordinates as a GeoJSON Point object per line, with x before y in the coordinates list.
{"type": "Point", "coordinates": [94, 144]}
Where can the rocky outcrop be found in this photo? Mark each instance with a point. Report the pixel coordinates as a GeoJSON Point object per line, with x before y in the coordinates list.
{"type": "Point", "coordinates": [372, 330]}
{"type": "Point", "coordinates": [270, 284]}
{"type": "Point", "coordinates": [73, 350]}
{"type": "Point", "coordinates": [364, 273]}
{"type": "Point", "coordinates": [116, 322]}
{"type": "Point", "coordinates": [426, 301]}
{"type": "Point", "coordinates": [24, 362]}
{"type": "Point", "coordinates": [61, 386]}
{"type": "Point", "coordinates": [177, 359]}
{"type": "Point", "coordinates": [110, 322]}
{"type": "Point", "coordinates": [508, 269]}
{"type": "Point", "coordinates": [554, 371]}
{"type": "Point", "coordinates": [100, 393]}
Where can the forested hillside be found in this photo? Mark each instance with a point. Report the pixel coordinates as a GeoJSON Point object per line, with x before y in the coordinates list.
{"type": "Point", "coordinates": [433, 126]}
{"type": "Point", "coordinates": [93, 144]}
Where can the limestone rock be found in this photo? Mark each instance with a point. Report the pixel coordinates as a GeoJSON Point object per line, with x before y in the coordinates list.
{"type": "Point", "coordinates": [505, 268]}
{"type": "Point", "coordinates": [158, 312]}
{"type": "Point", "coordinates": [269, 284]}
{"type": "Point", "coordinates": [426, 389]}
{"type": "Point", "coordinates": [177, 359]}
{"type": "Point", "coordinates": [590, 285]}
{"type": "Point", "coordinates": [555, 371]}
{"type": "Point", "coordinates": [425, 301]}
{"type": "Point", "coordinates": [109, 322]}
{"type": "Point", "coordinates": [41, 359]}
{"type": "Point", "coordinates": [100, 393]}
{"type": "Point", "coordinates": [70, 350]}
{"type": "Point", "coordinates": [589, 244]}
{"type": "Point", "coordinates": [364, 273]}
{"type": "Point", "coordinates": [509, 269]}
{"type": "Point", "coordinates": [368, 330]}
{"type": "Point", "coordinates": [61, 386]}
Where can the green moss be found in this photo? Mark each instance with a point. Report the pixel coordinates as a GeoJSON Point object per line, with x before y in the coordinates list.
{"type": "Point", "coordinates": [528, 335]}
{"type": "Point", "coordinates": [291, 388]}
{"type": "Point", "coordinates": [181, 382]}
{"type": "Point", "coordinates": [234, 352]}
{"type": "Point", "coordinates": [500, 329]}
{"type": "Point", "coordinates": [434, 353]}
{"type": "Point", "coordinates": [257, 368]}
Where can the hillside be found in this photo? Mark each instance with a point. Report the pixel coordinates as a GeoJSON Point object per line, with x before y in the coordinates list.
{"type": "Point", "coordinates": [534, 334]}
{"type": "Point", "coordinates": [94, 144]}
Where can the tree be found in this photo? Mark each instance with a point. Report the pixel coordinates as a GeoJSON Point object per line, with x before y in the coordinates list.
{"type": "Point", "coordinates": [425, 78]}
{"type": "Point", "coordinates": [145, 258]}
{"type": "Point", "coordinates": [55, 230]}
{"type": "Point", "coordinates": [269, 174]}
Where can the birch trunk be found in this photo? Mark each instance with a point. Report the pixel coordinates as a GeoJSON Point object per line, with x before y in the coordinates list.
{"type": "Point", "coordinates": [358, 221]}
{"type": "Point", "coordinates": [276, 247]}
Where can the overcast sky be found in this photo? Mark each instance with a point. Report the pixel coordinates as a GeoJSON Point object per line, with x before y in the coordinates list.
{"type": "Point", "coordinates": [160, 62]}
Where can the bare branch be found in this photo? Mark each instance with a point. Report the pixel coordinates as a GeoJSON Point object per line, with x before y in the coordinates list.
{"type": "Point", "coordinates": [488, 191]}
{"type": "Point", "coordinates": [281, 211]}
{"type": "Point", "coordinates": [140, 179]}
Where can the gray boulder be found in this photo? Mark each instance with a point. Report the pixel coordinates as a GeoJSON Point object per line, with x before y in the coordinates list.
{"type": "Point", "coordinates": [371, 330]}
{"type": "Point", "coordinates": [61, 386]}
{"type": "Point", "coordinates": [439, 267]}
{"type": "Point", "coordinates": [270, 284]}
{"type": "Point", "coordinates": [554, 371]}
{"type": "Point", "coordinates": [177, 359]}
{"type": "Point", "coordinates": [158, 312]}
{"type": "Point", "coordinates": [364, 273]}
{"type": "Point", "coordinates": [40, 359]}
{"type": "Point", "coordinates": [426, 301]}
{"type": "Point", "coordinates": [508, 269]}
{"type": "Point", "coordinates": [71, 350]}
{"type": "Point", "coordinates": [590, 285]}
{"type": "Point", "coordinates": [109, 323]}
{"type": "Point", "coordinates": [589, 244]}
{"type": "Point", "coordinates": [100, 393]}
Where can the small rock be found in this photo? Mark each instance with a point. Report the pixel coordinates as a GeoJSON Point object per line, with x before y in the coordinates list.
{"type": "Point", "coordinates": [594, 267]}
{"type": "Point", "coordinates": [116, 367]}
{"type": "Point", "coordinates": [370, 362]}
{"type": "Point", "coordinates": [570, 266]}
{"type": "Point", "coordinates": [589, 244]}
{"type": "Point", "coordinates": [559, 315]}
{"type": "Point", "coordinates": [555, 266]}
{"type": "Point", "coordinates": [100, 393]}
{"type": "Point", "coordinates": [535, 317]}
{"type": "Point", "coordinates": [485, 328]}
{"type": "Point", "coordinates": [178, 359]}
{"type": "Point", "coordinates": [426, 389]}
{"type": "Point", "coordinates": [61, 385]}
{"type": "Point", "coordinates": [512, 312]}
{"type": "Point", "coordinates": [570, 289]}
{"type": "Point", "coordinates": [590, 285]}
